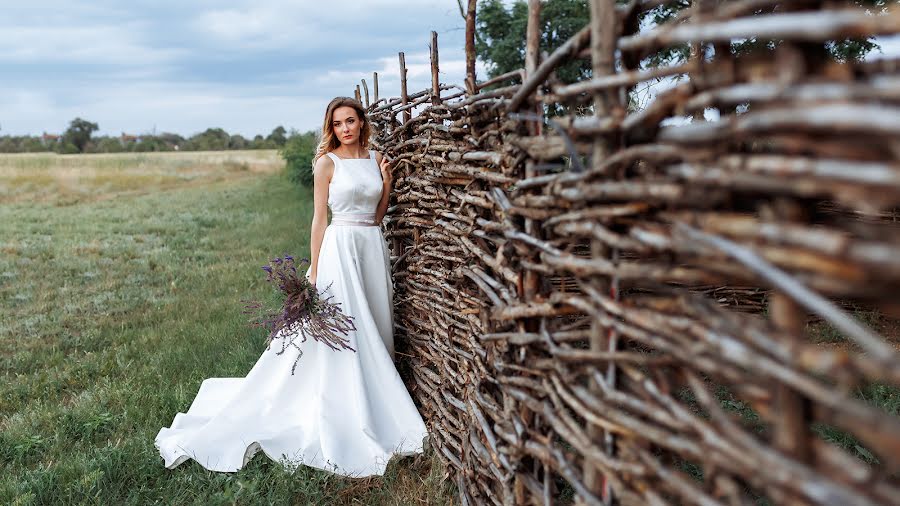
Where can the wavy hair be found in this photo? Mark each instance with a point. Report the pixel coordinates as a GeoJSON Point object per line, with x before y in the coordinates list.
{"type": "Point", "coordinates": [330, 141]}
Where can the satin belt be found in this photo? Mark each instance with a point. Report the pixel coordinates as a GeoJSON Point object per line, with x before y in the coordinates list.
{"type": "Point", "coordinates": [353, 219]}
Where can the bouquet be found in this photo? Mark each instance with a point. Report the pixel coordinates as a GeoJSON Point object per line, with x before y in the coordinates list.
{"type": "Point", "coordinates": [303, 313]}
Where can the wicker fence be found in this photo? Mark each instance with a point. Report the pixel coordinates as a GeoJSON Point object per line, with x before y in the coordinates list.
{"type": "Point", "coordinates": [614, 305]}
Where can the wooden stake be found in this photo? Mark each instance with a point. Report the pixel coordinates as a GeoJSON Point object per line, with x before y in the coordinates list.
{"type": "Point", "coordinates": [793, 412]}
{"type": "Point", "coordinates": [533, 36]}
{"type": "Point", "coordinates": [529, 279]}
{"type": "Point", "coordinates": [792, 415]}
{"type": "Point", "coordinates": [470, 48]}
{"type": "Point", "coordinates": [435, 83]}
{"type": "Point", "coordinates": [358, 97]}
{"type": "Point", "coordinates": [603, 45]}
{"type": "Point", "coordinates": [532, 53]}
{"type": "Point", "coordinates": [375, 83]}
{"type": "Point", "coordinates": [366, 89]}
{"type": "Point", "coordinates": [403, 96]}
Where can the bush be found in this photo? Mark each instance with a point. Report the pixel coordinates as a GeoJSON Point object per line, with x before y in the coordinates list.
{"type": "Point", "coordinates": [298, 153]}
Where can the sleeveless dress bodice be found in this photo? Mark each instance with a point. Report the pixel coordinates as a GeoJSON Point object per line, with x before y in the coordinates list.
{"type": "Point", "coordinates": [356, 185]}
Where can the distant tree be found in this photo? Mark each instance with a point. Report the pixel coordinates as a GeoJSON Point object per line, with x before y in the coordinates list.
{"type": "Point", "coordinates": [66, 148]}
{"type": "Point", "coordinates": [8, 145]}
{"type": "Point", "coordinates": [32, 145]}
{"type": "Point", "coordinates": [151, 143]}
{"type": "Point", "coordinates": [109, 145]}
{"type": "Point", "coordinates": [212, 139]}
{"type": "Point", "coordinates": [79, 134]}
{"type": "Point", "coordinates": [237, 141]}
{"type": "Point", "coordinates": [278, 137]}
{"type": "Point", "coordinates": [298, 153]}
{"type": "Point", "coordinates": [174, 141]}
{"type": "Point", "coordinates": [258, 142]}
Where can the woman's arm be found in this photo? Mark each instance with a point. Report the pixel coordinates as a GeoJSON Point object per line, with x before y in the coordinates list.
{"type": "Point", "coordinates": [322, 173]}
{"type": "Point", "coordinates": [386, 180]}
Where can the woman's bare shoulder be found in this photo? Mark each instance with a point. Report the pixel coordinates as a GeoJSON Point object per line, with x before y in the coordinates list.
{"type": "Point", "coordinates": [324, 167]}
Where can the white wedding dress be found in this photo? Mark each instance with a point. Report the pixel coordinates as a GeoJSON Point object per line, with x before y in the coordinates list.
{"type": "Point", "coordinates": [343, 411]}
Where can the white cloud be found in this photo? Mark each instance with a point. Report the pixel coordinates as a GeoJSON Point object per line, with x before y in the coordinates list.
{"type": "Point", "coordinates": [309, 25]}
{"type": "Point", "coordinates": [259, 26]}
{"type": "Point", "coordinates": [93, 44]}
{"type": "Point", "coordinates": [245, 65]}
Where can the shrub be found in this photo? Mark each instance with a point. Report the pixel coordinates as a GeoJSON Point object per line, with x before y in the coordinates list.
{"type": "Point", "coordinates": [298, 153]}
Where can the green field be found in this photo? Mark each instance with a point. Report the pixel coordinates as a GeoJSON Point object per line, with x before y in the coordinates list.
{"type": "Point", "coordinates": [120, 280]}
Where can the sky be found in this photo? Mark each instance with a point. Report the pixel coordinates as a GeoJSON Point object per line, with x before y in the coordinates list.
{"type": "Point", "coordinates": [243, 65]}
{"type": "Point", "coordinates": [183, 66]}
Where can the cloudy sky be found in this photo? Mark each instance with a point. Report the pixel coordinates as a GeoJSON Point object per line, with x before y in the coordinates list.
{"type": "Point", "coordinates": [182, 66]}
{"type": "Point", "coordinates": [185, 65]}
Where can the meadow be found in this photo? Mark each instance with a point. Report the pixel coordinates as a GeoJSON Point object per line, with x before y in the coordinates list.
{"type": "Point", "coordinates": [121, 278]}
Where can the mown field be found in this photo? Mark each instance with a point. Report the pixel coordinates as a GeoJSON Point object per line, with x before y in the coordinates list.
{"type": "Point", "coordinates": [120, 285]}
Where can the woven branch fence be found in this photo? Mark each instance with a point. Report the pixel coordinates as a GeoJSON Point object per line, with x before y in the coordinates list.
{"type": "Point", "coordinates": [609, 305]}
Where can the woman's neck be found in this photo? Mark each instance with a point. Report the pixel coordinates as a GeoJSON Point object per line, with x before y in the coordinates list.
{"type": "Point", "coordinates": [354, 151]}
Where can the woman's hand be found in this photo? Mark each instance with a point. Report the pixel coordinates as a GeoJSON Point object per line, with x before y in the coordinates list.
{"type": "Point", "coordinates": [386, 176]}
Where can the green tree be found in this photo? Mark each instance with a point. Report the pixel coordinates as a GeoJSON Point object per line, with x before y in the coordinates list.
{"type": "Point", "coordinates": [109, 145]}
{"type": "Point", "coordinates": [66, 148]}
{"type": "Point", "coordinates": [212, 139]}
{"type": "Point", "coordinates": [501, 34]}
{"type": "Point", "coordinates": [500, 40]}
{"type": "Point", "coordinates": [298, 152]}
{"type": "Point", "coordinates": [172, 140]}
{"type": "Point", "coordinates": [79, 134]}
{"type": "Point", "coordinates": [278, 137]}
{"type": "Point", "coordinates": [32, 145]}
{"type": "Point", "coordinates": [237, 141]}
{"type": "Point", "coordinates": [258, 142]}
{"type": "Point", "coordinates": [151, 143]}
{"type": "Point", "coordinates": [8, 145]}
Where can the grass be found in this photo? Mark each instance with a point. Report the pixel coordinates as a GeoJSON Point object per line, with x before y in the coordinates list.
{"type": "Point", "coordinates": [70, 179]}
{"type": "Point", "coordinates": [120, 285]}
{"type": "Point", "coordinates": [822, 332]}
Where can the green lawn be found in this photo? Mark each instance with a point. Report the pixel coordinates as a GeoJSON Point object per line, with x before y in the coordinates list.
{"type": "Point", "coordinates": [120, 285]}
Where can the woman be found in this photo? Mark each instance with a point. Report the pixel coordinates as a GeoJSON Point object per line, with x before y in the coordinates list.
{"type": "Point", "coordinates": [344, 411]}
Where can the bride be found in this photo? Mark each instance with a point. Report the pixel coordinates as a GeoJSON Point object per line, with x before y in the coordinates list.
{"type": "Point", "coordinates": [343, 411]}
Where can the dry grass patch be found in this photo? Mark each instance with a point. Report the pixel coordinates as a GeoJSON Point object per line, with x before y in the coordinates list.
{"type": "Point", "coordinates": [70, 179]}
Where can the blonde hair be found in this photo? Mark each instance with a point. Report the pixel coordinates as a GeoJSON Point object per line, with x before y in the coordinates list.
{"type": "Point", "coordinates": [330, 141]}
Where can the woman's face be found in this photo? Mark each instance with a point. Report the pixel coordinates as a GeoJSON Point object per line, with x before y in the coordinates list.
{"type": "Point", "coordinates": [346, 125]}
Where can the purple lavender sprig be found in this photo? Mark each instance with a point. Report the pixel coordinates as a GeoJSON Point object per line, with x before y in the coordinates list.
{"type": "Point", "coordinates": [304, 312]}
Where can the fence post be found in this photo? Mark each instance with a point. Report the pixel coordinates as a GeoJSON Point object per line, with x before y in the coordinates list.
{"type": "Point", "coordinates": [470, 48]}
{"type": "Point", "coordinates": [435, 83]}
{"type": "Point", "coordinates": [403, 95]}
{"type": "Point", "coordinates": [366, 89]}
{"type": "Point", "coordinates": [792, 413]}
{"type": "Point", "coordinates": [529, 280]}
{"type": "Point", "coordinates": [603, 45]}
{"type": "Point", "coordinates": [375, 83]}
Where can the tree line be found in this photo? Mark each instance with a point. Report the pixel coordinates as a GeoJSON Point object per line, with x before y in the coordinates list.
{"type": "Point", "coordinates": [79, 138]}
